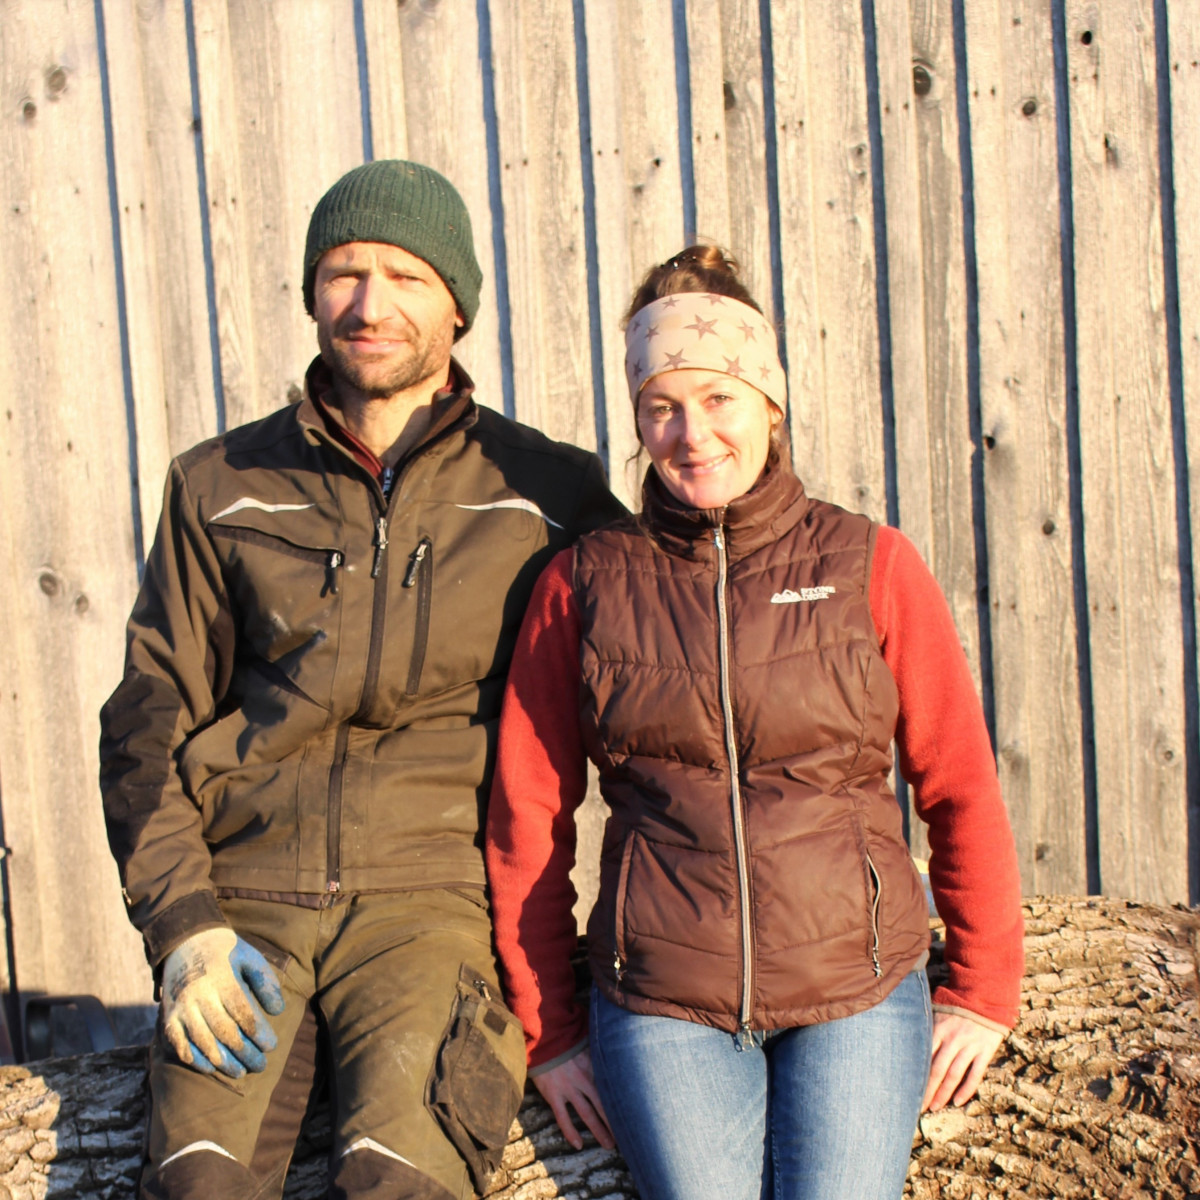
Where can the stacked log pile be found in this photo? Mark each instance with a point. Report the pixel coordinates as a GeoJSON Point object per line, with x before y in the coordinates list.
{"type": "Point", "coordinates": [1096, 1094]}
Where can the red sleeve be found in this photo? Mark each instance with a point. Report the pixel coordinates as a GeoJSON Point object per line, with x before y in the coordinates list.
{"type": "Point", "coordinates": [946, 756]}
{"type": "Point", "coordinates": [539, 782]}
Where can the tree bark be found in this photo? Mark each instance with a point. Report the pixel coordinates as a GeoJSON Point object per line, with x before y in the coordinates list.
{"type": "Point", "coordinates": [1095, 1094]}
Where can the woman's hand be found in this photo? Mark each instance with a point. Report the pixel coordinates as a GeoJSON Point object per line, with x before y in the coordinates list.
{"type": "Point", "coordinates": [962, 1049]}
{"type": "Point", "coordinates": [571, 1083]}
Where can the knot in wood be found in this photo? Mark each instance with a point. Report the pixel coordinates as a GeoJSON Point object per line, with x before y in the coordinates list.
{"type": "Point", "coordinates": [922, 79]}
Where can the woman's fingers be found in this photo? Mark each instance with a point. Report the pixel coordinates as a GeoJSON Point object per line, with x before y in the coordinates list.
{"type": "Point", "coordinates": [962, 1050]}
{"type": "Point", "coordinates": [570, 1086]}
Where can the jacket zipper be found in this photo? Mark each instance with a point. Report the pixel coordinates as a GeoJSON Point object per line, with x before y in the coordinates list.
{"type": "Point", "coordinates": [331, 558]}
{"type": "Point", "coordinates": [333, 828]}
{"type": "Point", "coordinates": [735, 787]}
{"type": "Point", "coordinates": [878, 887]}
{"type": "Point", "coordinates": [332, 563]}
{"type": "Point", "coordinates": [420, 575]}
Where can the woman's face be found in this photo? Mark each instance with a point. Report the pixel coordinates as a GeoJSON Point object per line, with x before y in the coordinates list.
{"type": "Point", "coordinates": [707, 434]}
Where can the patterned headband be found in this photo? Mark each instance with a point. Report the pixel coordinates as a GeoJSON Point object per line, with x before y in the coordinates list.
{"type": "Point", "coordinates": [706, 330]}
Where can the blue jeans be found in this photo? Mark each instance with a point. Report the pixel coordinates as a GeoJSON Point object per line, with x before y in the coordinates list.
{"type": "Point", "coordinates": [819, 1112]}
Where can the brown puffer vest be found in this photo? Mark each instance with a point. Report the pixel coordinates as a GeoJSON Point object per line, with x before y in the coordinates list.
{"type": "Point", "coordinates": [754, 872]}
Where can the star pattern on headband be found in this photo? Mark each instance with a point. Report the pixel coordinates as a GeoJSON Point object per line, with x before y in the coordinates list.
{"type": "Point", "coordinates": [656, 327]}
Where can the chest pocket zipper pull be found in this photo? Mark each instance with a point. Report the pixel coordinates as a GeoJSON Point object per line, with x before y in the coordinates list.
{"type": "Point", "coordinates": [414, 563]}
{"type": "Point", "coordinates": [331, 571]}
{"type": "Point", "coordinates": [381, 544]}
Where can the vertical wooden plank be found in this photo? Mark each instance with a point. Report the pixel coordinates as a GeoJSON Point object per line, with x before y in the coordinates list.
{"type": "Point", "coordinates": [746, 147]}
{"type": "Point", "coordinates": [639, 195]}
{"type": "Point", "coordinates": [1022, 375]}
{"type": "Point", "coordinates": [828, 252]}
{"type": "Point", "coordinates": [67, 579]}
{"type": "Point", "coordinates": [279, 92]}
{"type": "Point", "coordinates": [229, 235]}
{"type": "Point", "coordinates": [538, 115]}
{"type": "Point", "coordinates": [933, 461]}
{"type": "Point", "coordinates": [946, 470]}
{"type": "Point", "coordinates": [443, 102]}
{"type": "Point", "coordinates": [160, 208]}
{"type": "Point", "coordinates": [1183, 32]}
{"type": "Point", "coordinates": [1126, 445]}
{"type": "Point", "coordinates": [385, 78]}
{"type": "Point", "coordinates": [906, 269]}
{"type": "Point", "coordinates": [706, 73]}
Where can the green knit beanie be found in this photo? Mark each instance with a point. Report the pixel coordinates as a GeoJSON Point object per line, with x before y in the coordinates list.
{"type": "Point", "coordinates": [403, 204]}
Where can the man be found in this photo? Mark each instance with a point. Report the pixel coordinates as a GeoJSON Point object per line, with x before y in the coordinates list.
{"type": "Point", "coordinates": [296, 763]}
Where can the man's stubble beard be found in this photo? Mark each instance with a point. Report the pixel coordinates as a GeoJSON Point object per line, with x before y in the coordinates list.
{"type": "Point", "coordinates": [424, 359]}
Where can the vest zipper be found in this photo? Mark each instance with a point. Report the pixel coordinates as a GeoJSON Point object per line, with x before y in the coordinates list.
{"type": "Point", "coordinates": [735, 787]}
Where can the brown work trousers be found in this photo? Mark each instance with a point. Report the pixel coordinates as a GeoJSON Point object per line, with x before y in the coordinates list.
{"type": "Point", "coordinates": [389, 976]}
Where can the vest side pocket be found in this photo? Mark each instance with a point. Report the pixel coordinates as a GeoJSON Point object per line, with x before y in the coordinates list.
{"type": "Point", "coordinates": [873, 887]}
{"type": "Point", "coordinates": [621, 956]}
{"type": "Point", "coordinates": [478, 1076]}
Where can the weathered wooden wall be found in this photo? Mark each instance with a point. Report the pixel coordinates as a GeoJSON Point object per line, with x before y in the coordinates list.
{"type": "Point", "coordinates": [976, 223]}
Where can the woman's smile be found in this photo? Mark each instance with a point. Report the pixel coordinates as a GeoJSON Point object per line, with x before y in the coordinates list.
{"type": "Point", "coordinates": [707, 434]}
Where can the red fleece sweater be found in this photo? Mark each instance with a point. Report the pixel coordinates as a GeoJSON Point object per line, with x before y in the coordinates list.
{"type": "Point", "coordinates": [945, 755]}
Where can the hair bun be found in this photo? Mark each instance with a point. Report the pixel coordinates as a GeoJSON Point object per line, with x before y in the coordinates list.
{"type": "Point", "coordinates": [700, 267]}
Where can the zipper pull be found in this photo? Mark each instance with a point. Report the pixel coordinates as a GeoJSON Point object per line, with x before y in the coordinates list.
{"type": "Point", "coordinates": [744, 1039]}
{"type": "Point", "coordinates": [415, 559]}
{"type": "Point", "coordinates": [381, 543]}
{"type": "Point", "coordinates": [618, 967]}
{"type": "Point", "coordinates": [331, 571]}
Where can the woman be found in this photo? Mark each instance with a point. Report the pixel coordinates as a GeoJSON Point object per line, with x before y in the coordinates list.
{"type": "Point", "coordinates": [736, 662]}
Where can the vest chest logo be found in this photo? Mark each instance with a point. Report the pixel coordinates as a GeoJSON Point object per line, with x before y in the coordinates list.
{"type": "Point", "coordinates": [787, 596]}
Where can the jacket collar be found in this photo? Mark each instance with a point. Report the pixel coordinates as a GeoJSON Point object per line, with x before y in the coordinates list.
{"type": "Point", "coordinates": [451, 405]}
{"type": "Point", "coordinates": [775, 504]}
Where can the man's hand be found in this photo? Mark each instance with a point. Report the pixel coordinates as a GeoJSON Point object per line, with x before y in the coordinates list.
{"type": "Point", "coordinates": [213, 987]}
{"type": "Point", "coordinates": [962, 1049]}
{"type": "Point", "coordinates": [571, 1083]}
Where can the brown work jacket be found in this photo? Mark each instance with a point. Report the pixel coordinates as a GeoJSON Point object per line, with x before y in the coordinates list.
{"type": "Point", "coordinates": [754, 872]}
{"type": "Point", "coordinates": [314, 669]}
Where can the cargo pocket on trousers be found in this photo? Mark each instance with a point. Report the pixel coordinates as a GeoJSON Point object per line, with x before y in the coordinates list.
{"type": "Point", "coordinates": [478, 1077]}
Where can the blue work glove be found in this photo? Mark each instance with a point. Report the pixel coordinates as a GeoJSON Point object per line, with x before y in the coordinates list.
{"type": "Point", "coordinates": [215, 988]}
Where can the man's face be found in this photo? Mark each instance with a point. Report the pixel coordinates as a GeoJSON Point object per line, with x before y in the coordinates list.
{"type": "Point", "coordinates": [385, 320]}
